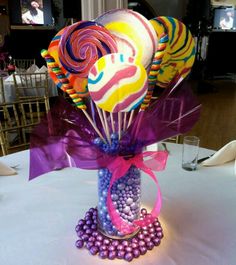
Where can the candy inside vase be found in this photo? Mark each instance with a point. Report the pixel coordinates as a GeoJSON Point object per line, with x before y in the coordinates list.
{"type": "Point", "coordinates": [125, 195]}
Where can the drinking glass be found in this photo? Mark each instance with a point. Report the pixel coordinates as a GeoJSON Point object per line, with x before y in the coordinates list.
{"type": "Point", "coordinates": [190, 152]}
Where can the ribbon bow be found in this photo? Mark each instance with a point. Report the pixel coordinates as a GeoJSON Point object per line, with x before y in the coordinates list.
{"type": "Point", "coordinates": [146, 161]}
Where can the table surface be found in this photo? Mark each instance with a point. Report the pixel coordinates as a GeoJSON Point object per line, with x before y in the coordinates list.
{"type": "Point", "coordinates": [38, 218]}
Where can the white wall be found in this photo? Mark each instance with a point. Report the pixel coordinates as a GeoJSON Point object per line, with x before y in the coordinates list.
{"type": "Point", "coordinates": [94, 8]}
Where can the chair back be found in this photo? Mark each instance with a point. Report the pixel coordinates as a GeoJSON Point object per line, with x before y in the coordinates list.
{"type": "Point", "coordinates": [32, 86]}
{"type": "Point", "coordinates": [23, 63]}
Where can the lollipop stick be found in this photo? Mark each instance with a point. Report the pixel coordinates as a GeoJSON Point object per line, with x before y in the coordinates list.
{"type": "Point", "coordinates": [93, 111]}
{"type": "Point", "coordinates": [124, 121]}
{"type": "Point", "coordinates": [94, 126]}
{"type": "Point", "coordinates": [102, 121]}
{"type": "Point", "coordinates": [112, 122]}
{"type": "Point", "coordinates": [106, 126]}
{"type": "Point", "coordinates": [130, 118]}
{"type": "Point", "coordinates": [119, 124]}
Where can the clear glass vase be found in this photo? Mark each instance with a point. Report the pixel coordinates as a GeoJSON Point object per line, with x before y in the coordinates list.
{"type": "Point", "coordinates": [126, 197]}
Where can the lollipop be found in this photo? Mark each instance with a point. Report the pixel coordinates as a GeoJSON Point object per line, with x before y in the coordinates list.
{"type": "Point", "coordinates": [80, 46]}
{"type": "Point", "coordinates": [179, 54]}
{"type": "Point", "coordinates": [116, 83]}
{"type": "Point", "coordinates": [62, 80]}
{"type": "Point", "coordinates": [156, 64]}
{"type": "Point", "coordinates": [133, 33]}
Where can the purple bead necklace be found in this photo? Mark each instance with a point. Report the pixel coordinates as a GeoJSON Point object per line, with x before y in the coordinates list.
{"type": "Point", "coordinates": [107, 248]}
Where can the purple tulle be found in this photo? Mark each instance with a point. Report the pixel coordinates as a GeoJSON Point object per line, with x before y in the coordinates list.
{"type": "Point", "coordinates": [65, 138]}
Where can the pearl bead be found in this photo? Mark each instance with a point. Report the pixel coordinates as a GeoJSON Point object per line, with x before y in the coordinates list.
{"type": "Point", "coordinates": [89, 244]}
{"type": "Point", "coordinates": [103, 254]}
{"type": "Point", "coordinates": [160, 235]}
{"type": "Point", "coordinates": [128, 249]}
{"type": "Point", "coordinates": [129, 257]}
{"type": "Point", "coordinates": [150, 245]}
{"type": "Point", "coordinates": [115, 243]}
{"type": "Point", "coordinates": [120, 254]}
{"type": "Point", "coordinates": [136, 253]}
{"type": "Point", "coordinates": [85, 237]}
{"type": "Point", "coordinates": [141, 243]}
{"type": "Point", "coordinates": [111, 248]}
{"type": "Point", "coordinates": [112, 255]}
{"type": "Point", "coordinates": [80, 233]}
{"type": "Point", "coordinates": [99, 238]}
{"type": "Point", "coordinates": [98, 244]}
{"type": "Point", "coordinates": [106, 241]}
{"type": "Point", "coordinates": [120, 247]}
{"type": "Point", "coordinates": [103, 247]}
{"type": "Point", "coordinates": [125, 243]}
{"type": "Point", "coordinates": [143, 250]}
{"type": "Point", "coordinates": [79, 243]}
{"type": "Point", "coordinates": [156, 241]}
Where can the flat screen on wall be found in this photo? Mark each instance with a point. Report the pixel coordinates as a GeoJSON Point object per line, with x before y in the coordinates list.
{"type": "Point", "coordinates": [32, 13]}
{"type": "Point", "coordinates": [224, 19]}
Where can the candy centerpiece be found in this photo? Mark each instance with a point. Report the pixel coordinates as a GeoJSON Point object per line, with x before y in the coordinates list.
{"type": "Point", "coordinates": [109, 68]}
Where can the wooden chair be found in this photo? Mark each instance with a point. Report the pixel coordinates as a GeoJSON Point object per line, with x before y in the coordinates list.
{"type": "Point", "coordinates": [23, 63]}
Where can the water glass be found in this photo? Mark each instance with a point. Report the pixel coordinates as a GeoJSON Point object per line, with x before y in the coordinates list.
{"type": "Point", "coordinates": [190, 152]}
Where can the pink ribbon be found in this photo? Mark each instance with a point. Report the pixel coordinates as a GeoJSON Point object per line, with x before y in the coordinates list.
{"type": "Point", "coordinates": [147, 161]}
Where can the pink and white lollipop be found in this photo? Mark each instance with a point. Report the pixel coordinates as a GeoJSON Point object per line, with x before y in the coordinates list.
{"type": "Point", "coordinates": [134, 34]}
{"type": "Point", "coordinates": [117, 83]}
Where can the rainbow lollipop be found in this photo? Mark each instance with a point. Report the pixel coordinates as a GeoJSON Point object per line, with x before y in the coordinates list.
{"type": "Point", "coordinates": [180, 51]}
{"type": "Point", "coordinates": [133, 33]}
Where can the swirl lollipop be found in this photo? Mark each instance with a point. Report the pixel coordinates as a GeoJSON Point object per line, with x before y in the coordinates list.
{"type": "Point", "coordinates": [116, 83]}
{"type": "Point", "coordinates": [133, 33]}
{"type": "Point", "coordinates": [179, 54]}
{"type": "Point", "coordinates": [80, 46]}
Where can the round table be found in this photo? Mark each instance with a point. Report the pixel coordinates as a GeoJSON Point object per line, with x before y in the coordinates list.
{"type": "Point", "coordinates": [38, 218]}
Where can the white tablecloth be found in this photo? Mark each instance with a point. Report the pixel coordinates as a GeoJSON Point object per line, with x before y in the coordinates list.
{"type": "Point", "coordinates": [38, 218]}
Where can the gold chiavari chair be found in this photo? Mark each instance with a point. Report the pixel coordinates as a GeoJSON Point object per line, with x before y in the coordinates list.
{"type": "Point", "coordinates": [33, 99]}
{"type": "Point", "coordinates": [10, 128]}
{"type": "Point", "coordinates": [23, 64]}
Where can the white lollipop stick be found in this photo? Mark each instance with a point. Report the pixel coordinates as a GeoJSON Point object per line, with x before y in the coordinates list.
{"type": "Point", "coordinates": [106, 126]}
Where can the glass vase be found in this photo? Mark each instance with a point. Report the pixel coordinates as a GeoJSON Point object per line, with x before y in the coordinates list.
{"type": "Point", "coordinates": [125, 195]}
